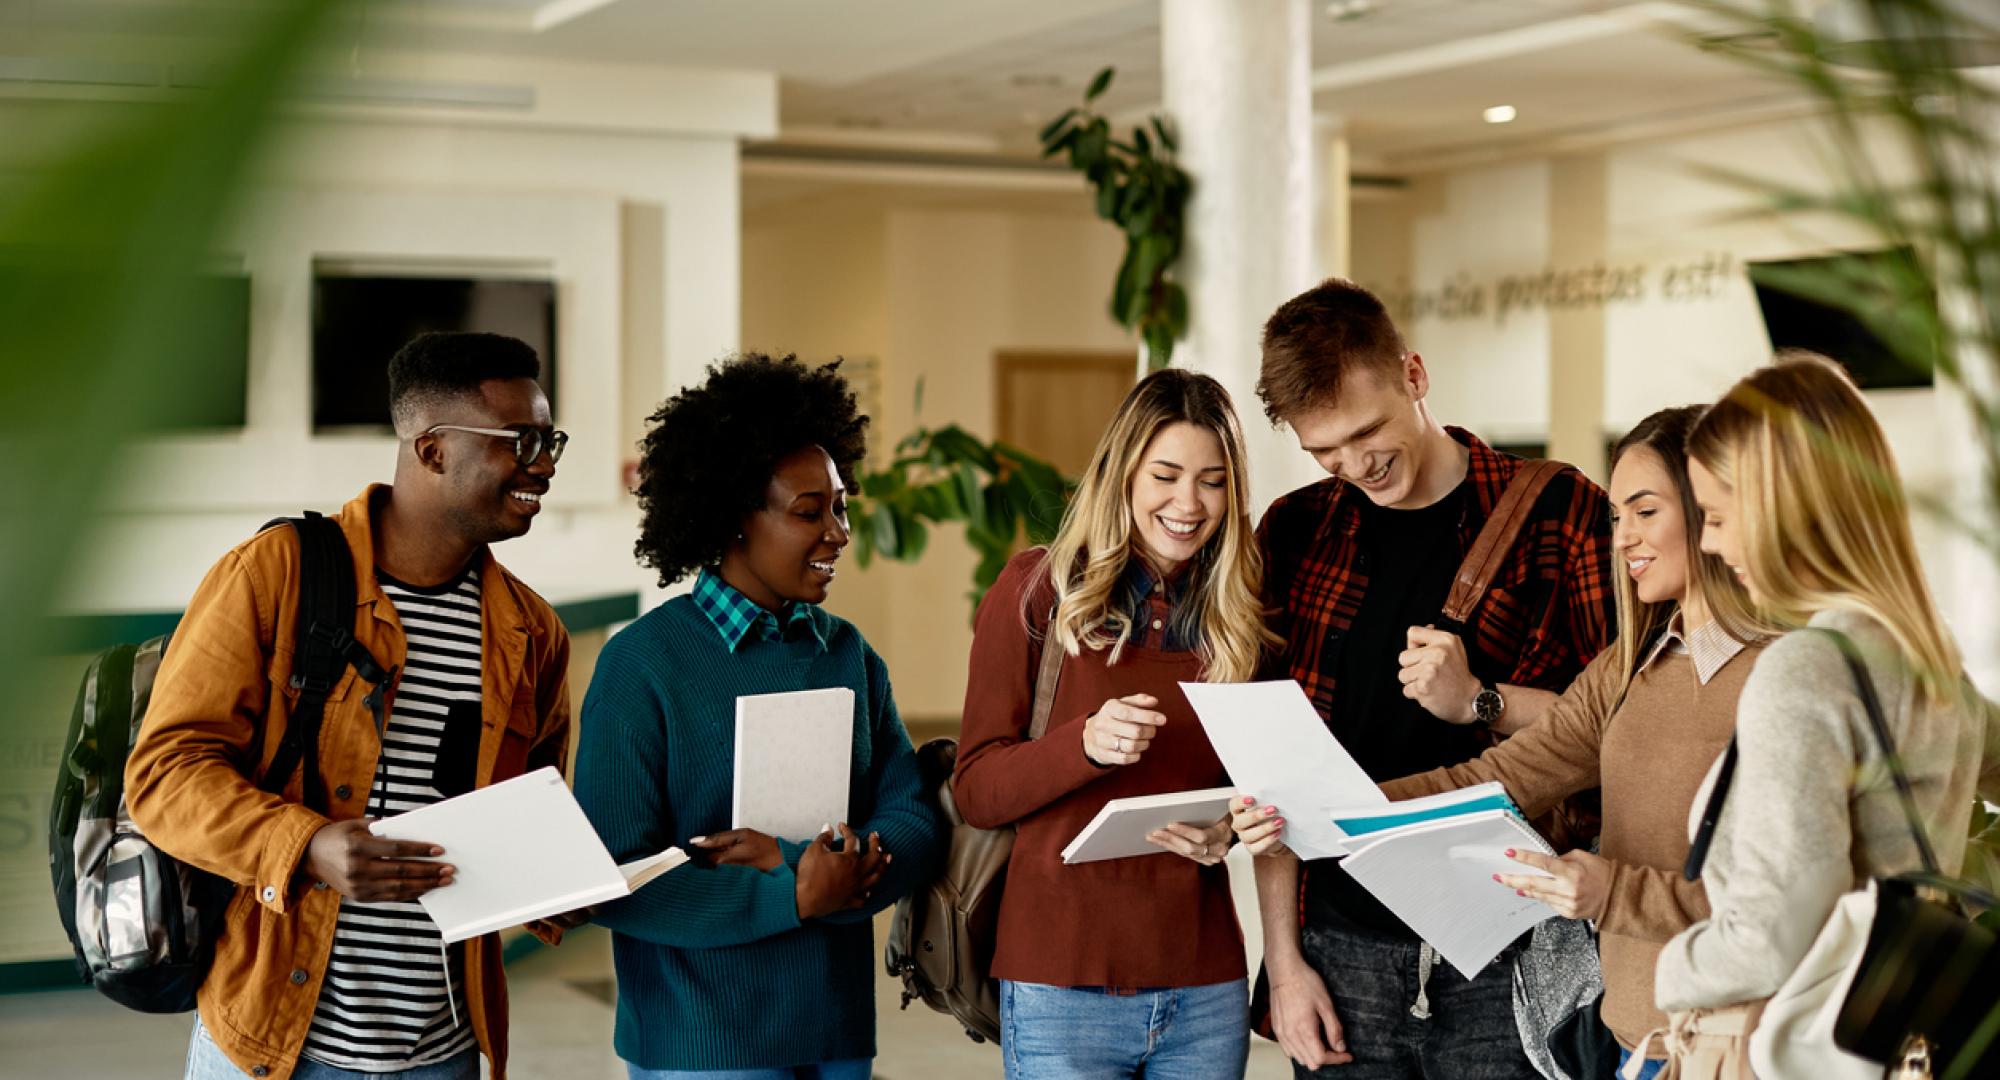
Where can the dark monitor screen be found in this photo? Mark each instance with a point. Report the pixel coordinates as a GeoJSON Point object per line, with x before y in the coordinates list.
{"type": "Point", "coordinates": [360, 322]}
{"type": "Point", "coordinates": [1813, 303]}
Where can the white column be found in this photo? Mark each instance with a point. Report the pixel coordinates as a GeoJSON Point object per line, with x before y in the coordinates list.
{"type": "Point", "coordinates": [1237, 85]}
{"type": "Point", "coordinates": [1334, 199]}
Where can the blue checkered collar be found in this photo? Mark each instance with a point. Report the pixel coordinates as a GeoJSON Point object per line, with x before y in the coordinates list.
{"type": "Point", "coordinates": [738, 619]}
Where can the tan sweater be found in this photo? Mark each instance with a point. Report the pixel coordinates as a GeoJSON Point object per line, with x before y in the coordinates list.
{"type": "Point", "coordinates": [1649, 756]}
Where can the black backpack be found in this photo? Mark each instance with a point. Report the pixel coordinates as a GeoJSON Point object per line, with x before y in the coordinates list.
{"type": "Point", "coordinates": [142, 922]}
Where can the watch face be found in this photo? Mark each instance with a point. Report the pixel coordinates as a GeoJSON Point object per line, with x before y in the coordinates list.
{"type": "Point", "coordinates": [1488, 705]}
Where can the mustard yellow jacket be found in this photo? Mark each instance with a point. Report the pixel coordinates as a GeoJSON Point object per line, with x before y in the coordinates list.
{"type": "Point", "coordinates": [218, 711]}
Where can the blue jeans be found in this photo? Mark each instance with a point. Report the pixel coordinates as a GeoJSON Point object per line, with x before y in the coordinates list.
{"type": "Point", "coordinates": [1064, 1033]}
{"type": "Point", "coordinates": [206, 1061]}
{"type": "Point", "coordinates": [1646, 1072]}
{"type": "Point", "coordinates": [851, 1069]}
{"type": "Point", "coordinates": [1467, 1031]}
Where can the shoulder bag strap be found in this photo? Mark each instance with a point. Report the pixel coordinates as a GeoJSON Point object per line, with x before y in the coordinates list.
{"type": "Point", "coordinates": [1496, 538]}
{"type": "Point", "coordinates": [1704, 833]}
{"type": "Point", "coordinates": [1872, 705]}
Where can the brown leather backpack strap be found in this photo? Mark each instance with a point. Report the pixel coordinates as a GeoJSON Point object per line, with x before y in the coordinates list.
{"type": "Point", "coordinates": [1496, 539]}
{"type": "Point", "coordinates": [1046, 678]}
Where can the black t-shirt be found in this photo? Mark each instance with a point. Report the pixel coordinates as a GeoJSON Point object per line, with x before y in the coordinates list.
{"type": "Point", "coordinates": [1410, 558]}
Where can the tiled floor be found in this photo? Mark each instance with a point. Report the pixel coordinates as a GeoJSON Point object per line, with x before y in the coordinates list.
{"type": "Point", "coordinates": [561, 1030]}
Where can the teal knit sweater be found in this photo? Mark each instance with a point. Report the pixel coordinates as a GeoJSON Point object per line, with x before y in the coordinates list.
{"type": "Point", "coordinates": [715, 971]}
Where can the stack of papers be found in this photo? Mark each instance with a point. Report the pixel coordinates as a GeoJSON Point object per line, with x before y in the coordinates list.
{"type": "Point", "coordinates": [523, 850]}
{"type": "Point", "coordinates": [1432, 861]}
{"type": "Point", "coordinates": [1119, 830]}
{"type": "Point", "coordinates": [1277, 748]}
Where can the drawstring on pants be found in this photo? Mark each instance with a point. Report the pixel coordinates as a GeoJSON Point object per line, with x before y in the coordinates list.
{"type": "Point", "coordinates": [1427, 959]}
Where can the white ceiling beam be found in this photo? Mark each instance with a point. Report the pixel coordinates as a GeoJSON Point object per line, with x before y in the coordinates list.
{"type": "Point", "coordinates": [1506, 44]}
{"type": "Point", "coordinates": [923, 176]}
{"type": "Point", "coordinates": [557, 12]}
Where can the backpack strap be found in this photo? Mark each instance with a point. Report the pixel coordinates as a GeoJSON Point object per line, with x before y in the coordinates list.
{"type": "Point", "coordinates": [1046, 677]}
{"type": "Point", "coordinates": [1503, 527]}
{"type": "Point", "coordinates": [325, 649]}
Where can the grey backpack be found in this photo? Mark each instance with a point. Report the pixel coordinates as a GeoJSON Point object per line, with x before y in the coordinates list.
{"type": "Point", "coordinates": [142, 922]}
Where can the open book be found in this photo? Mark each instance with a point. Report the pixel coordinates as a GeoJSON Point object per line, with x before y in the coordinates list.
{"type": "Point", "coordinates": [523, 850]}
{"type": "Point", "coordinates": [1432, 861]}
{"type": "Point", "coordinates": [1119, 830]}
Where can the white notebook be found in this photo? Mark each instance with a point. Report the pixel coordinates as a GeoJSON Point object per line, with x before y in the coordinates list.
{"type": "Point", "coordinates": [1276, 747]}
{"type": "Point", "coordinates": [1119, 830]}
{"type": "Point", "coordinates": [523, 850]}
{"type": "Point", "coordinates": [793, 755]}
{"type": "Point", "coordinates": [1437, 876]}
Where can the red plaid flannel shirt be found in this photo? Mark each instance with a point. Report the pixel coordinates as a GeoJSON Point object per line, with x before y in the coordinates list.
{"type": "Point", "coordinates": [1550, 609]}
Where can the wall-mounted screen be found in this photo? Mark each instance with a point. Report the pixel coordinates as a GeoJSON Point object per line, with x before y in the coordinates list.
{"type": "Point", "coordinates": [1812, 304]}
{"type": "Point", "coordinates": [360, 321]}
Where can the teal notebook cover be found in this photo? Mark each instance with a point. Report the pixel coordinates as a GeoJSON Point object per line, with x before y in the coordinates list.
{"type": "Point", "coordinates": [1362, 826]}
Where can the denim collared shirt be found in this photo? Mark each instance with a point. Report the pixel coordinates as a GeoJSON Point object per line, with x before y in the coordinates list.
{"type": "Point", "coordinates": [1162, 608]}
{"type": "Point", "coordinates": [738, 619]}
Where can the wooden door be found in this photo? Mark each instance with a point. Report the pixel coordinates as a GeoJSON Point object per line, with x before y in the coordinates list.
{"type": "Point", "coordinates": [1055, 405]}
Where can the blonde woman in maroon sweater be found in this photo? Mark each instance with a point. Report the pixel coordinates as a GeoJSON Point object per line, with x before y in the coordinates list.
{"type": "Point", "coordinates": [1128, 967]}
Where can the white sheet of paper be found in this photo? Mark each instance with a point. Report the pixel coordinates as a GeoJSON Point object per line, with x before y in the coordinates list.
{"type": "Point", "coordinates": [1278, 750]}
{"type": "Point", "coordinates": [794, 752]}
{"type": "Point", "coordinates": [1438, 878]}
{"type": "Point", "coordinates": [1119, 830]}
{"type": "Point", "coordinates": [523, 850]}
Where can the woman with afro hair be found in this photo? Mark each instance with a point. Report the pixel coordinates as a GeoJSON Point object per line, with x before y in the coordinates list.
{"type": "Point", "coordinates": [758, 964]}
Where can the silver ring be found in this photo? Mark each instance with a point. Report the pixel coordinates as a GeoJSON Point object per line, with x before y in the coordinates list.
{"type": "Point", "coordinates": [1204, 851]}
{"type": "Point", "coordinates": [1121, 744]}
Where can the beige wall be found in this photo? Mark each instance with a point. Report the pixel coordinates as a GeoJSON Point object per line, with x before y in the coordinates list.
{"type": "Point", "coordinates": [932, 292]}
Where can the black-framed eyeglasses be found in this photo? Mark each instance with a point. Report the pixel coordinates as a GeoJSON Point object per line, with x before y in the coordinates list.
{"type": "Point", "coordinates": [528, 444]}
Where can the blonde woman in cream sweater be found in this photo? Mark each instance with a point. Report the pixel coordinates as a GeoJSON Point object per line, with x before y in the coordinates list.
{"type": "Point", "coordinates": [1801, 498]}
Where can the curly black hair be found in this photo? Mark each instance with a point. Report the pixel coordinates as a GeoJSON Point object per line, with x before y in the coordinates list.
{"type": "Point", "coordinates": [710, 450]}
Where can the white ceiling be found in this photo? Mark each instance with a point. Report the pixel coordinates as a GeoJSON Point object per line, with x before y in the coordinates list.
{"type": "Point", "coordinates": [1409, 78]}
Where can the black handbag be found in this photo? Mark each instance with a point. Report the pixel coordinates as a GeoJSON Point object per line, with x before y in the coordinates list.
{"type": "Point", "coordinates": [1925, 997]}
{"type": "Point", "coordinates": [1582, 1046]}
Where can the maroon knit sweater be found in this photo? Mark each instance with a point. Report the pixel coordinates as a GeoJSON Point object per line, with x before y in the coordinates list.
{"type": "Point", "coordinates": [1154, 921]}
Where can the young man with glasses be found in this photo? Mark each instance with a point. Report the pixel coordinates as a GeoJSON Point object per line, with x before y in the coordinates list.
{"type": "Point", "coordinates": [327, 967]}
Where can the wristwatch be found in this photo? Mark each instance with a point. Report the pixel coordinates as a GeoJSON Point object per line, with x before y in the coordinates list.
{"type": "Point", "coordinates": [1487, 705]}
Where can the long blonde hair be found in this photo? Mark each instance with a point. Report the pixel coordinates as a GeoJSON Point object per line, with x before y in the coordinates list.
{"type": "Point", "coordinates": [1665, 434]}
{"type": "Point", "coordinates": [1095, 544]}
{"type": "Point", "coordinates": [1825, 522]}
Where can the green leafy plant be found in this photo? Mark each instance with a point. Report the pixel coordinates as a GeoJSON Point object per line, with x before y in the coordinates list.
{"type": "Point", "coordinates": [1144, 192]}
{"type": "Point", "coordinates": [105, 233]}
{"type": "Point", "coordinates": [1000, 492]}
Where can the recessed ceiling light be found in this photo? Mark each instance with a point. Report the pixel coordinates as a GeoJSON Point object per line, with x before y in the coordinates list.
{"type": "Point", "coordinates": [1499, 114]}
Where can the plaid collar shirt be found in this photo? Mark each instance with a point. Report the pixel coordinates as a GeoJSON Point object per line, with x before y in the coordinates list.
{"type": "Point", "coordinates": [738, 620]}
{"type": "Point", "coordinates": [1549, 611]}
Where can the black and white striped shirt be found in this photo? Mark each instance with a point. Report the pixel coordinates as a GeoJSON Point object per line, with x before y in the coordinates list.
{"type": "Point", "coordinates": [388, 999]}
